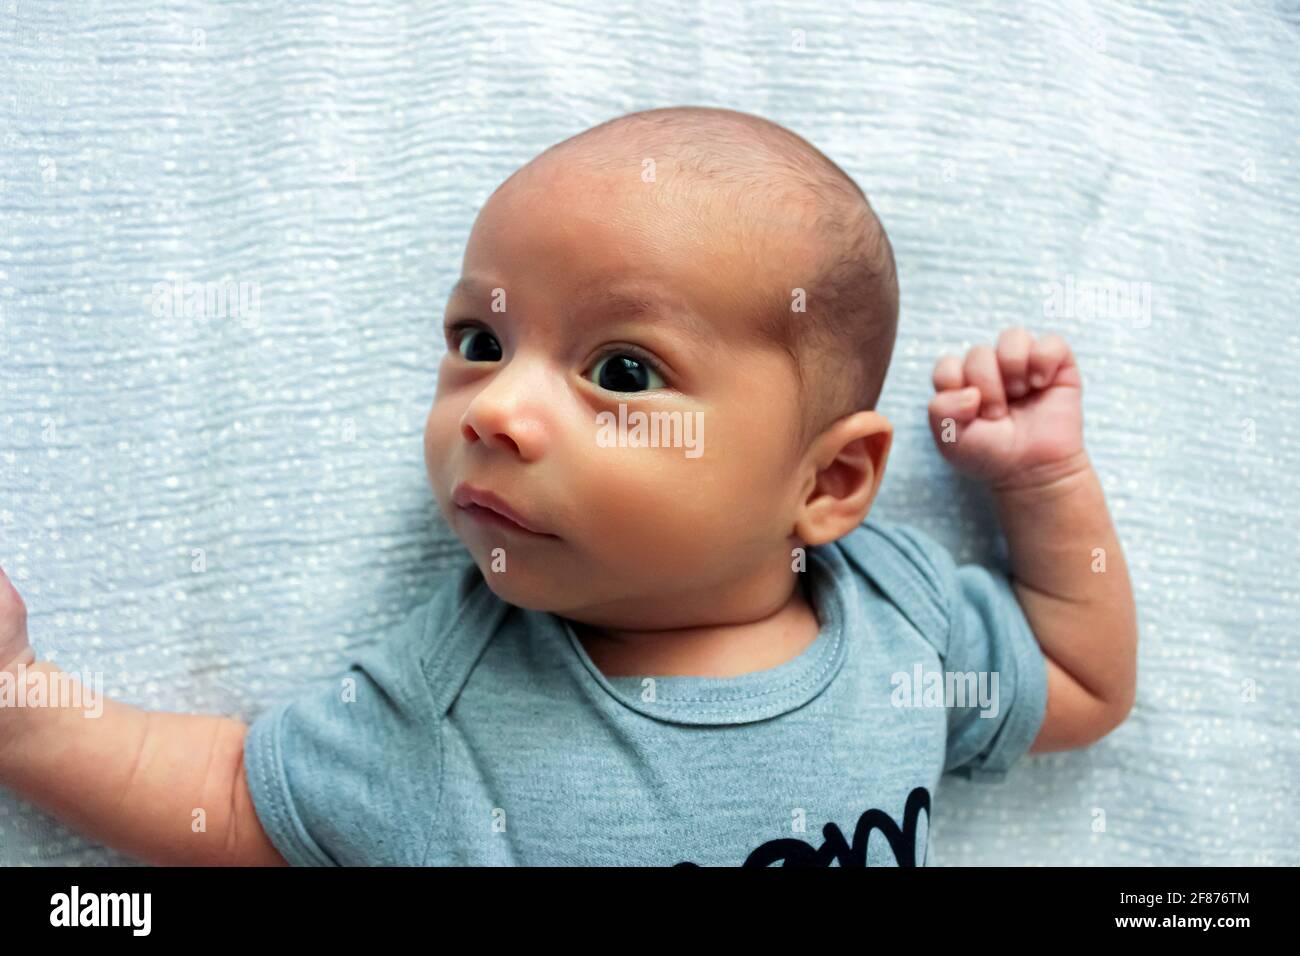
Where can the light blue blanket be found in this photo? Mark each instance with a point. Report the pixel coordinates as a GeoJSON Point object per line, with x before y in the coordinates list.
{"type": "Point", "coordinates": [211, 510]}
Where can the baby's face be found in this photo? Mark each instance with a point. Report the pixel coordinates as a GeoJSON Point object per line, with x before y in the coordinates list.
{"type": "Point", "coordinates": [541, 353]}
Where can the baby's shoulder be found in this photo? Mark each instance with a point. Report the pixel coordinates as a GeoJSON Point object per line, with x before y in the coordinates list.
{"type": "Point", "coordinates": [910, 570]}
{"type": "Point", "coordinates": [442, 638]}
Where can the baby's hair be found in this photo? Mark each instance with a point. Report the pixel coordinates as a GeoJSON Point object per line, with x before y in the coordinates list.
{"type": "Point", "coordinates": [765, 175]}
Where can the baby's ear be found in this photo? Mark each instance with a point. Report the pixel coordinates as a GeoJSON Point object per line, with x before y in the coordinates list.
{"type": "Point", "coordinates": [849, 462]}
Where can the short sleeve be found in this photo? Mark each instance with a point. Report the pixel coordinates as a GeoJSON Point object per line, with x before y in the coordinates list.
{"type": "Point", "coordinates": [992, 654]}
{"type": "Point", "coordinates": [348, 773]}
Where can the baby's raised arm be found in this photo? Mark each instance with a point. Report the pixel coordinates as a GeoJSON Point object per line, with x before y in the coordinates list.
{"type": "Point", "coordinates": [164, 788]}
{"type": "Point", "coordinates": [1013, 418]}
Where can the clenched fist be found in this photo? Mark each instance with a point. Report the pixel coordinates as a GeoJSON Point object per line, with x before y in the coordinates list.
{"type": "Point", "coordinates": [1013, 416]}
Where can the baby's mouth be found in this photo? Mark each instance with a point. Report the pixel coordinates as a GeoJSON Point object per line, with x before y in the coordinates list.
{"type": "Point", "coordinates": [488, 508]}
{"type": "Point", "coordinates": [489, 517]}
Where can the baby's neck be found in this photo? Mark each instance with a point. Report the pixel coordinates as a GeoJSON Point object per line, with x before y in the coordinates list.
{"type": "Point", "coordinates": [718, 650]}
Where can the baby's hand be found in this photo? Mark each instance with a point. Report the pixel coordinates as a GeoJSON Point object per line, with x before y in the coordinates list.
{"type": "Point", "coordinates": [1013, 417]}
{"type": "Point", "coordinates": [13, 623]}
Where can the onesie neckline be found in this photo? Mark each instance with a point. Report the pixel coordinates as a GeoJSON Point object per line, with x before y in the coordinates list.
{"type": "Point", "coordinates": [758, 695]}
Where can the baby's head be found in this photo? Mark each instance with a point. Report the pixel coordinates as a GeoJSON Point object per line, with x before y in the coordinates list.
{"type": "Point", "coordinates": [728, 286]}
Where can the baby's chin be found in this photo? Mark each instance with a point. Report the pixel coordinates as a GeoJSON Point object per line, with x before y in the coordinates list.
{"type": "Point", "coordinates": [539, 589]}
{"type": "Point", "coordinates": [557, 587]}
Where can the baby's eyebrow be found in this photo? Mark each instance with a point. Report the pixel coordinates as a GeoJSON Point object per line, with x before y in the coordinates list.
{"type": "Point", "coordinates": [604, 303]}
{"type": "Point", "coordinates": [469, 288]}
{"type": "Point", "coordinates": [601, 303]}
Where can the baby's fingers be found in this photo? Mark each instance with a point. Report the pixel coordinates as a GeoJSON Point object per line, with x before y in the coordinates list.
{"type": "Point", "coordinates": [948, 374]}
{"type": "Point", "coordinates": [13, 622]}
{"type": "Point", "coordinates": [981, 370]}
{"type": "Point", "coordinates": [1046, 357]}
{"type": "Point", "coordinates": [958, 406]}
{"type": "Point", "coordinates": [1013, 358]}
{"type": "Point", "coordinates": [12, 608]}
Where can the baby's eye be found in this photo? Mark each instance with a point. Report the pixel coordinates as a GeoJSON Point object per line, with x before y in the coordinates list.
{"type": "Point", "coordinates": [478, 345]}
{"type": "Point", "coordinates": [621, 372]}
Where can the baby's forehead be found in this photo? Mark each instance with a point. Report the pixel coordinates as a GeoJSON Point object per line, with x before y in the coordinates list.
{"type": "Point", "coordinates": [737, 254]}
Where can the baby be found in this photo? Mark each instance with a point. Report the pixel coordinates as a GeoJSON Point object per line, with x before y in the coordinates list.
{"type": "Point", "coordinates": [680, 641]}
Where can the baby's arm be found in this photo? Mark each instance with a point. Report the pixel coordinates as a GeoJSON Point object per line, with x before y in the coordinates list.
{"type": "Point", "coordinates": [1013, 418]}
{"type": "Point", "coordinates": [128, 778]}
{"type": "Point", "coordinates": [1084, 618]}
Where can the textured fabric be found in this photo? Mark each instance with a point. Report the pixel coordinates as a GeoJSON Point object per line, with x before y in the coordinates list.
{"type": "Point", "coordinates": [479, 733]}
{"type": "Point", "coordinates": [217, 512]}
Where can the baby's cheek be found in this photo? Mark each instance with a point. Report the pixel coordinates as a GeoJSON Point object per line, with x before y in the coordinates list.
{"type": "Point", "coordinates": [437, 449]}
{"type": "Point", "coordinates": [429, 447]}
{"type": "Point", "coordinates": [442, 424]}
{"type": "Point", "coordinates": [664, 502]}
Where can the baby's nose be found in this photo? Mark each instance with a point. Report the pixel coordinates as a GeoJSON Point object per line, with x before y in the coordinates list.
{"type": "Point", "coordinates": [508, 413]}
